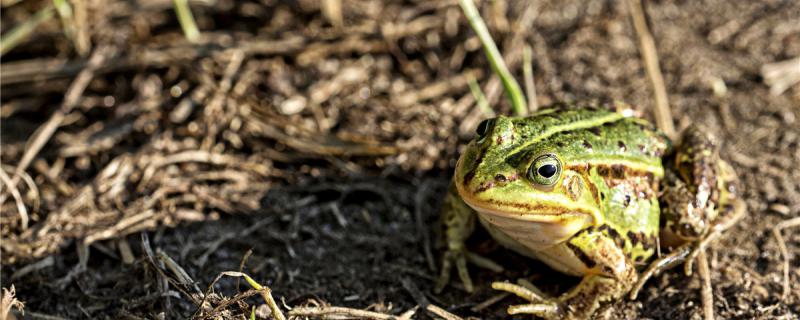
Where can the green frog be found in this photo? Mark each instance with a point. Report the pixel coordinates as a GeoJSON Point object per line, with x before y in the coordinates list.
{"type": "Point", "coordinates": [591, 193]}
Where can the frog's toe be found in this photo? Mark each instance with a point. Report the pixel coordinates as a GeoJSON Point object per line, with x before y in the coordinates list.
{"type": "Point", "coordinates": [530, 294]}
{"type": "Point", "coordinates": [668, 261]}
{"type": "Point", "coordinates": [546, 311]}
{"type": "Point", "coordinates": [484, 262]}
{"type": "Point", "coordinates": [540, 305]}
{"type": "Point", "coordinates": [459, 258]}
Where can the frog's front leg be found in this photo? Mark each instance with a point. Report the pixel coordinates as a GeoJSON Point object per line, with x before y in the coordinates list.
{"type": "Point", "coordinates": [609, 276]}
{"type": "Point", "coordinates": [459, 222]}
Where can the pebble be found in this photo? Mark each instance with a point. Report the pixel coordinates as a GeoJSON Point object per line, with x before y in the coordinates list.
{"type": "Point", "coordinates": [293, 105]}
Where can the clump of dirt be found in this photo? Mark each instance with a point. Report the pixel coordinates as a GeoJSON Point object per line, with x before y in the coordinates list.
{"type": "Point", "coordinates": [310, 147]}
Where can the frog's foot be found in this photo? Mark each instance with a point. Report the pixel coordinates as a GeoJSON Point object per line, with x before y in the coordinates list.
{"type": "Point", "coordinates": [662, 263]}
{"type": "Point", "coordinates": [540, 305]}
{"type": "Point", "coordinates": [688, 252]}
{"type": "Point", "coordinates": [579, 303]}
{"type": "Point", "coordinates": [685, 253]}
{"type": "Point", "coordinates": [459, 257]}
{"type": "Point", "coordinates": [728, 217]}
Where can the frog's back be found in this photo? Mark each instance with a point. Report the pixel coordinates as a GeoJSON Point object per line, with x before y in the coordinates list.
{"type": "Point", "coordinates": [596, 135]}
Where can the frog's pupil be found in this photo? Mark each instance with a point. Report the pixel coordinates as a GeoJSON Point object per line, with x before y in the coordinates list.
{"type": "Point", "coordinates": [547, 170]}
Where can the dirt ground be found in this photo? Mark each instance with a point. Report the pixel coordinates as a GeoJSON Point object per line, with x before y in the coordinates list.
{"type": "Point", "coordinates": [309, 144]}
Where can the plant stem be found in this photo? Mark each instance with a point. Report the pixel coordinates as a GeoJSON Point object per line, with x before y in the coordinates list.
{"type": "Point", "coordinates": [16, 35]}
{"type": "Point", "coordinates": [647, 47]}
{"type": "Point", "coordinates": [186, 19]}
{"type": "Point", "coordinates": [527, 71]}
{"type": "Point", "coordinates": [480, 98]}
{"type": "Point", "coordinates": [495, 58]}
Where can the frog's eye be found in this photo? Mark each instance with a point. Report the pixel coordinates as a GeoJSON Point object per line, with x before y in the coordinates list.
{"type": "Point", "coordinates": [545, 170]}
{"type": "Point", "coordinates": [483, 127]}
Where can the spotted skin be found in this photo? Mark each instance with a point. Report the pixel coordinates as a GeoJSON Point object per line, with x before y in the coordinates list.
{"type": "Point", "coordinates": [597, 216]}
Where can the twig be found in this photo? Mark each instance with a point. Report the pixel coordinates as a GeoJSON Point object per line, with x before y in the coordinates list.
{"type": "Point", "coordinates": [164, 280]}
{"type": "Point", "coordinates": [794, 222]}
{"type": "Point", "coordinates": [422, 231]}
{"type": "Point", "coordinates": [38, 265]}
{"type": "Point", "coordinates": [21, 210]}
{"type": "Point", "coordinates": [214, 314]}
{"type": "Point", "coordinates": [408, 314]}
{"type": "Point", "coordinates": [12, 38]}
{"type": "Point", "coordinates": [125, 251]}
{"type": "Point", "coordinates": [33, 189]}
{"type": "Point", "coordinates": [488, 302]}
{"type": "Point", "coordinates": [497, 16]}
{"type": "Point", "coordinates": [442, 312]}
{"type": "Point", "coordinates": [527, 71]}
{"type": "Point", "coordinates": [265, 292]}
{"type": "Point", "coordinates": [186, 20]}
{"type": "Point", "coordinates": [43, 134]}
{"type": "Point", "coordinates": [332, 10]}
{"type": "Point", "coordinates": [44, 69]}
{"type": "Point", "coordinates": [323, 311]}
{"type": "Point", "coordinates": [415, 293]}
{"type": "Point", "coordinates": [178, 271]}
{"type": "Point", "coordinates": [242, 263]}
{"type": "Point", "coordinates": [513, 46]}
{"type": "Point", "coordinates": [67, 18]}
{"type": "Point", "coordinates": [215, 106]}
{"type": "Point", "coordinates": [325, 145]}
{"type": "Point", "coordinates": [706, 291]}
{"type": "Point", "coordinates": [9, 300]}
{"type": "Point", "coordinates": [495, 58]}
{"type": "Point", "coordinates": [82, 41]}
{"type": "Point", "coordinates": [123, 224]}
{"type": "Point", "coordinates": [44, 316]}
{"type": "Point", "coordinates": [78, 269]}
{"type": "Point", "coordinates": [647, 48]}
{"type": "Point", "coordinates": [781, 75]}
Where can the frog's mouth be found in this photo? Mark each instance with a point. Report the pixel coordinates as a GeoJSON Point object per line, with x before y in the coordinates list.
{"type": "Point", "coordinates": [534, 227]}
{"type": "Point", "coordinates": [534, 231]}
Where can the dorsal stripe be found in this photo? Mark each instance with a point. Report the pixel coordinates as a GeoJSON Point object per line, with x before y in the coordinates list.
{"type": "Point", "coordinates": [570, 126]}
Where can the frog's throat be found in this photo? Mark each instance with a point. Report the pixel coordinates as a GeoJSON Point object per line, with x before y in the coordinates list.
{"type": "Point", "coordinates": [533, 224]}
{"type": "Point", "coordinates": [533, 231]}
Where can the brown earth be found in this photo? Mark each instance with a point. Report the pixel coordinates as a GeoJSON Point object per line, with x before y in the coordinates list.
{"type": "Point", "coordinates": [323, 143]}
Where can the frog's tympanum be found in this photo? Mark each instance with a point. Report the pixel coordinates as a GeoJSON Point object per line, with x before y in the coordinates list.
{"type": "Point", "coordinates": [591, 193]}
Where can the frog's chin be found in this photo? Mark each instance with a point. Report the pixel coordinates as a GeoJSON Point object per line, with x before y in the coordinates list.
{"type": "Point", "coordinates": [534, 231]}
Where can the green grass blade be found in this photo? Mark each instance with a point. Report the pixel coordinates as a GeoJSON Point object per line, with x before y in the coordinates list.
{"type": "Point", "coordinates": [11, 39]}
{"type": "Point", "coordinates": [480, 98]}
{"type": "Point", "coordinates": [495, 58]}
{"type": "Point", "coordinates": [186, 19]}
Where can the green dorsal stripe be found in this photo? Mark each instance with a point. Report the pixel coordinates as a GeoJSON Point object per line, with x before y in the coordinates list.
{"type": "Point", "coordinates": [569, 126]}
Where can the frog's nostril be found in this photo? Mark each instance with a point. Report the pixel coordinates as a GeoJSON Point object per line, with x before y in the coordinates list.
{"type": "Point", "coordinates": [500, 178]}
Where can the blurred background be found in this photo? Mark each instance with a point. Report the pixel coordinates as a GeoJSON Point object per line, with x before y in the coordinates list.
{"type": "Point", "coordinates": [309, 144]}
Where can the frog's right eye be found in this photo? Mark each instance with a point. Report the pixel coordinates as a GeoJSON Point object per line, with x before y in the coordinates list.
{"type": "Point", "coordinates": [483, 127]}
{"type": "Point", "coordinates": [545, 170]}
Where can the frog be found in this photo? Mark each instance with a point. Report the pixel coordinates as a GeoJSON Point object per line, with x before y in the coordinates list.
{"type": "Point", "coordinates": [591, 192]}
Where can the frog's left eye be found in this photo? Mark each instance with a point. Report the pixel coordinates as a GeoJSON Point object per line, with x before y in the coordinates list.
{"type": "Point", "coordinates": [483, 128]}
{"type": "Point", "coordinates": [545, 170]}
